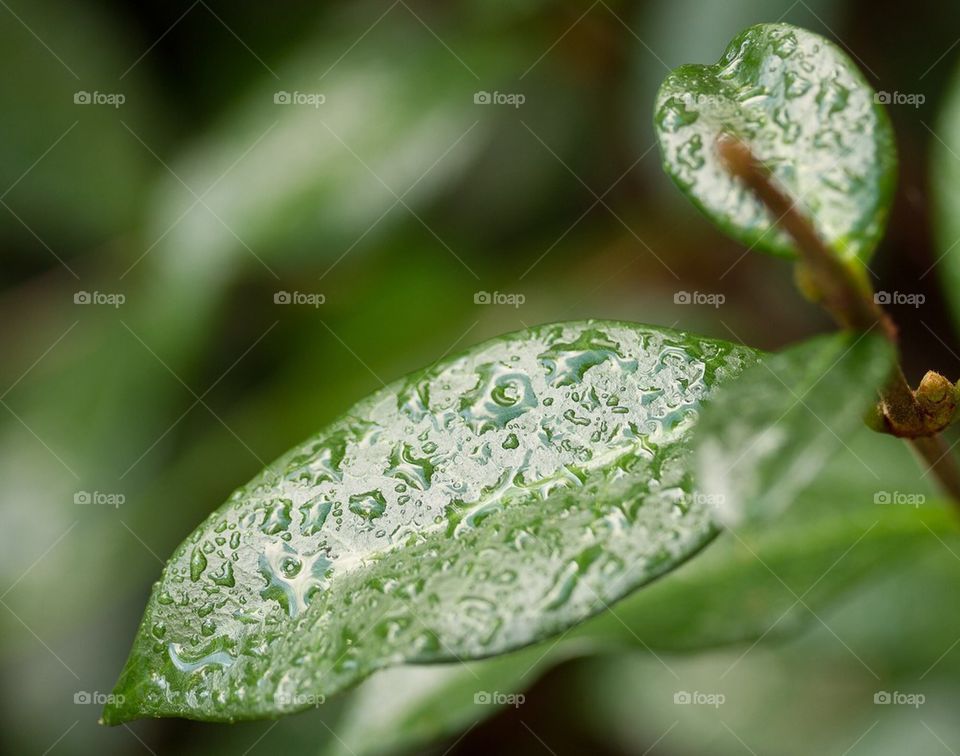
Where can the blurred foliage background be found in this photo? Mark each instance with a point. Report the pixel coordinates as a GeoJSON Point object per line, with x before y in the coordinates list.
{"type": "Point", "coordinates": [201, 198]}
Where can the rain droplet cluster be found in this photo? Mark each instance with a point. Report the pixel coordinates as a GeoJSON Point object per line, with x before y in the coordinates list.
{"type": "Point", "coordinates": [807, 112]}
{"type": "Point", "coordinates": [470, 509]}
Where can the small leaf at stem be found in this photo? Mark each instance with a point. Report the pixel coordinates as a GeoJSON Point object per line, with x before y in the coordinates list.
{"type": "Point", "coordinates": [937, 399]}
{"type": "Point", "coordinates": [807, 112]}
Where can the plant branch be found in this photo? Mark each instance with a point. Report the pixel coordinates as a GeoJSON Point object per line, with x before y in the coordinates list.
{"type": "Point", "coordinates": [936, 455]}
{"type": "Point", "coordinates": [846, 294]}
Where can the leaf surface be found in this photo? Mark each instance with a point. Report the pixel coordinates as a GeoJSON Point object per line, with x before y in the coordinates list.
{"type": "Point", "coordinates": [807, 112]}
{"type": "Point", "coordinates": [762, 441]}
{"type": "Point", "coordinates": [493, 500]}
{"type": "Point", "coordinates": [732, 594]}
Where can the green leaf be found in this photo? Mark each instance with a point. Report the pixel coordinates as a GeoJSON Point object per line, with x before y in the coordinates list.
{"type": "Point", "coordinates": [731, 594]}
{"type": "Point", "coordinates": [761, 441]}
{"type": "Point", "coordinates": [831, 547]}
{"type": "Point", "coordinates": [945, 173]}
{"type": "Point", "coordinates": [747, 585]}
{"type": "Point", "coordinates": [439, 700]}
{"type": "Point", "coordinates": [807, 112]}
{"type": "Point", "coordinates": [494, 499]}
{"type": "Point", "coordinates": [886, 627]}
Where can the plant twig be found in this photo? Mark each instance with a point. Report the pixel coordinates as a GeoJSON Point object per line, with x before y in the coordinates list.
{"type": "Point", "coordinates": [848, 297]}
{"type": "Point", "coordinates": [936, 455]}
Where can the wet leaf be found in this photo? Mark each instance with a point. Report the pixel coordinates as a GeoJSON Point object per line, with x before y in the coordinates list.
{"type": "Point", "coordinates": [763, 440]}
{"type": "Point", "coordinates": [492, 500]}
{"type": "Point", "coordinates": [732, 594]}
{"type": "Point", "coordinates": [808, 113]}
{"type": "Point", "coordinates": [439, 700]}
{"type": "Point", "coordinates": [900, 627]}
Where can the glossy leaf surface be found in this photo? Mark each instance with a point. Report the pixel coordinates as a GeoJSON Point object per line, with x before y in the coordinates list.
{"type": "Point", "coordinates": [763, 440]}
{"type": "Point", "coordinates": [807, 112]}
{"type": "Point", "coordinates": [492, 500]}
{"type": "Point", "coordinates": [732, 594]}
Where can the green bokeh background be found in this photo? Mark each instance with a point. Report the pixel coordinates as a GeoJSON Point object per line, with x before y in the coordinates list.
{"type": "Point", "coordinates": [398, 199]}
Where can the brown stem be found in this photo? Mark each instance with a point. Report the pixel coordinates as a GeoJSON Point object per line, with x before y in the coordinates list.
{"type": "Point", "coordinates": [935, 454]}
{"type": "Point", "coordinates": [848, 297]}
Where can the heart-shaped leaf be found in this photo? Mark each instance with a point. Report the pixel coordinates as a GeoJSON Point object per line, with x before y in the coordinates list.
{"type": "Point", "coordinates": [763, 440]}
{"type": "Point", "coordinates": [807, 112]}
{"type": "Point", "coordinates": [490, 501]}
